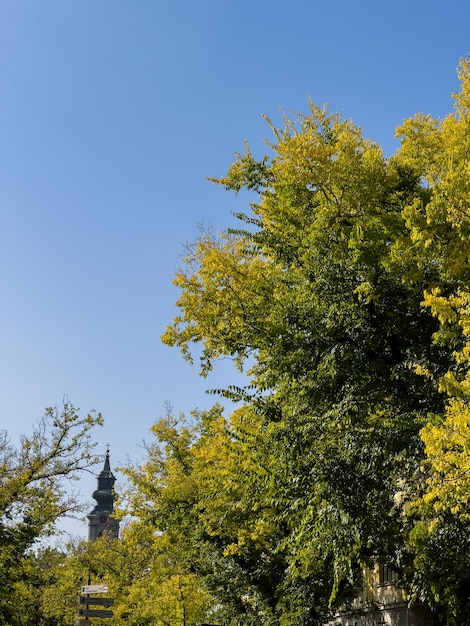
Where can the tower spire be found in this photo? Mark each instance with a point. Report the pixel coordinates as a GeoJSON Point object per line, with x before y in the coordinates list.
{"type": "Point", "coordinates": [100, 519]}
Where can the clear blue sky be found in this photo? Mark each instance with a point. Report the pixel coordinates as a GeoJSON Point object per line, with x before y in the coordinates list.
{"type": "Point", "coordinates": [112, 115]}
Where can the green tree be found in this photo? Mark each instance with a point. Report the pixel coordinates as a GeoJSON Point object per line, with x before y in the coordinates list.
{"type": "Point", "coordinates": [308, 292]}
{"type": "Point", "coordinates": [34, 494]}
{"type": "Point", "coordinates": [327, 293]}
{"type": "Point", "coordinates": [207, 489]}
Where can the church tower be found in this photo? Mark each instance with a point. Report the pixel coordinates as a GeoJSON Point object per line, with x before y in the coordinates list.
{"type": "Point", "coordinates": [100, 520]}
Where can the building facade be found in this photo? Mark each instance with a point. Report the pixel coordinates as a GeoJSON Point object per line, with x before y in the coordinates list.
{"type": "Point", "coordinates": [381, 602]}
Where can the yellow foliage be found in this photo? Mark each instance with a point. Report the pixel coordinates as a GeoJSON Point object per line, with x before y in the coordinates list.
{"type": "Point", "coordinates": [447, 449]}
{"type": "Point", "coordinates": [447, 445]}
{"type": "Point", "coordinates": [223, 294]}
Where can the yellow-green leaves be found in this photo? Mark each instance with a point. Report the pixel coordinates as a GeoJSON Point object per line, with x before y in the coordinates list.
{"type": "Point", "coordinates": [347, 287]}
{"type": "Point", "coordinates": [33, 494]}
{"type": "Point", "coordinates": [447, 445]}
{"type": "Point", "coordinates": [448, 454]}
{"type": "Point", "coordinates": [440, 152]}
{"type": "Point", "coordinates": [225, 292]}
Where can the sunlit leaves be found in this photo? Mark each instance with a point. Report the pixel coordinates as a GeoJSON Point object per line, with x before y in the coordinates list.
{"type": "Point", "coordinates": [346, 289]}
{"type": "Point", "coordinates": [224, 293]}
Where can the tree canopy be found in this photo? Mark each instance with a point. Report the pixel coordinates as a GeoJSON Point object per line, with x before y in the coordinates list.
{"type": "Point", "coordinates": [35, 481]}
{"type": "Point", "coordinates": [345, 295]}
